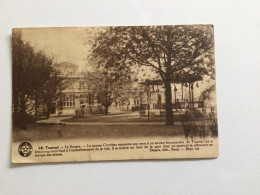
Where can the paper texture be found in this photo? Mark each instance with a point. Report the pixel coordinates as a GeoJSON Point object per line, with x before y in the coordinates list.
{"type": "Point", "coordinates": [113, 93]}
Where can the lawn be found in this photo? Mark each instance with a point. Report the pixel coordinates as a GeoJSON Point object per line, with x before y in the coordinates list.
{"type": "Point", "coordinates": [129, 117]}
{"type": "Point", "coordinates": [49, 132]}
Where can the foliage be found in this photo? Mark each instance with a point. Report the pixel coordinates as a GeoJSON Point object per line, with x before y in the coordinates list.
{"type": "Point", "coordinates": [170, 51]}
{"type": "Point", "coordinates": [206, 94]}
{"type": "Point", "coordinates": [35, 82]}
{"type": "Point", "coordinates": [110, 85]}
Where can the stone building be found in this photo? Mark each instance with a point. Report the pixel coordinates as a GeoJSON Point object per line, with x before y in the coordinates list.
{"type": "Point", "coordinates": [76, 98]}
{"type": "Point", "coordinates": [70, 98]}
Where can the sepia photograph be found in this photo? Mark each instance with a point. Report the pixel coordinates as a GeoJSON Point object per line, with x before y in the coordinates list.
{"type": "Point", "coordinates": [113, 93]}
{"type": "Point", "coordinates": [140, 97]}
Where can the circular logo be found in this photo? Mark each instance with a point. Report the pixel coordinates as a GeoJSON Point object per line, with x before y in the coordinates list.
{"type": "Point", "coordinates": [25, 149]}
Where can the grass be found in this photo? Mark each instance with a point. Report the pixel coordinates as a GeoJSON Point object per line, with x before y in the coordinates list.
{"type": "Point", "coordinates": [119, 118]}
{"type": "Point", "coordinates": [49, 132]}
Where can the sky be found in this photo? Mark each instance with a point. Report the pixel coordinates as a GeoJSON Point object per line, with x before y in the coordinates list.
{"type": "Point", "coordinates": [64, 44]}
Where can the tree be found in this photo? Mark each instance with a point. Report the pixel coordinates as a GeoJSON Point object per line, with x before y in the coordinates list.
{"type": "Point", "coordinates": [110, 85]}
{"type": "Point", "coordinates": [169, 50]}
{"type": "Point", "coordinates": [23, 56]}
{"type": "Point", "coordinates": [36, 83]}
{"type": "Point", "coordinates": [40, 74]}
{"type": "Point", "coordinates": [56, 83]}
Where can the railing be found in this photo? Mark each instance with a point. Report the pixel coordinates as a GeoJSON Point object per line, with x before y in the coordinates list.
{"type": "Point", "coordinates": [177, 105]}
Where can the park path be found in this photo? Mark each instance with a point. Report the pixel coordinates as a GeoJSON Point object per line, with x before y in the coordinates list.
{"type": "Point", "coordinates": [121, 123]}
{"type": "Point", "coordinates": [59, 120]}
{"type": "Point", "coordinates": [53, 120]}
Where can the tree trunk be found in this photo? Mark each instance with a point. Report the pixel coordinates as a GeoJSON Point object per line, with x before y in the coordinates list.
{"type": "Point", "coordinates": [175, 98]}
{"type": "Point", "coordinates": [148, 104]}
{"type": "Point", "coordinates": [15, 109]}
{"type": "Point", "coordinates": [48, 110]}
{"type": "Point", "coordinates": [148, 111]}
{"type": "Point", "coordinates": [168, 100]}
{"type": "Point", "coordinates": [106, 104]}
{"type": "Point", "coordinates": [189, 97]}
{"type": "Point", "coordinates": [192, 98]}
{"type": "Point", "coordinates": [183, 105]}
{"type": "Point", "coordinates": [182, 91]}
{"type": "Point", "coordinates": [106, 109]}
{"type": "Point", "coordinates": [36, 105]}
{"type": "Point", "coordinates": [23, 115]}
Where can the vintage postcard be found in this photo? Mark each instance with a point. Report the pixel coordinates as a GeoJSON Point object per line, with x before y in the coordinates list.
{"type": "Point", "coordinates": [113, 93]}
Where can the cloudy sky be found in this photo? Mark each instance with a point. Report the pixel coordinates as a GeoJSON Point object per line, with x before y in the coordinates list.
{"type": "Point", "coordinates": [64, 44]}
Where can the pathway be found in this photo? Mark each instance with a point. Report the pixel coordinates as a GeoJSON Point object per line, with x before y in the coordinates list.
{"type": "Point", "coordinates": [102, 120]}
{"type": "Point", "coordinates": [53, 120]}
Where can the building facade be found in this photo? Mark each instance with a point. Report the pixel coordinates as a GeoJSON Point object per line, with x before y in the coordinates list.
{"type": "Point", "coordinates": [76, 99]}
{"type": "Point", "coordinates": [71, 97]}
{"type": "Point", "coordinates": [184, 96]}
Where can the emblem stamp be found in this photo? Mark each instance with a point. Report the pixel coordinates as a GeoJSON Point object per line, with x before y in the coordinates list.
{"type": "Point", "coordinates": [25, 149]}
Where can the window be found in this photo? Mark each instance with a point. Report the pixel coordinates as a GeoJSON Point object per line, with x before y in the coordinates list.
{"type": "Point", "coordinates": [68, 100]}
{"type": "Point", "coordinates": [91, 99]}
{"type": "Point", "coordinates": [82, 85]}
